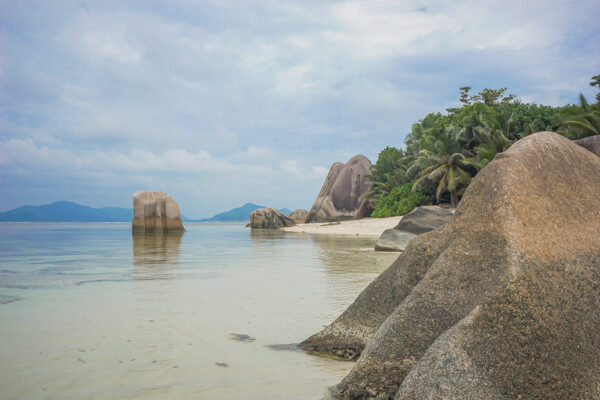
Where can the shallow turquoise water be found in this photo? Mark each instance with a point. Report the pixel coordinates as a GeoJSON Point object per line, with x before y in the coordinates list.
{"type": "Point", "coordinates": [89, 312]}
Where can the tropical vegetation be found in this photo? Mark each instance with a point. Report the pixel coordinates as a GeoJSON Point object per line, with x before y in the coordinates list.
{"type": "Point", "coordinates": [443, 152]}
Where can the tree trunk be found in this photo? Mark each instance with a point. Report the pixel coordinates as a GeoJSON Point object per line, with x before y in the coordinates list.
{"type": "Point", "coordinates": [453, 198]}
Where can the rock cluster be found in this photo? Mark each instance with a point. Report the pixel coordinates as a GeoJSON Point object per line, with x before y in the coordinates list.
{"type": "Point", "coordinates": [502, 302]}
{"type": "Point", "coordinates": [155, 212]}
{"type": "Point", "coordinates": [269, 218]}
{"type": "Point", "coordinates": [299, 216]}
{"type": "Point", "coordinates": [340, 197]}
{"type": "Point", "coordinates": [420, 220]}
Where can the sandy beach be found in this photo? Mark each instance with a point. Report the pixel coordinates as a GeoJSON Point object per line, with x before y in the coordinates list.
{"type": "Point", "coordinates": [369, 227]}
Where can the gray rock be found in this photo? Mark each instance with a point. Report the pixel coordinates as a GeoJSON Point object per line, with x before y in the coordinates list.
{"type": "Point", "coordinates": [501, 302]}
{"type": "Point", "coordinates": [299, 216]}
{"type": "Point", "coordinates": [340, 197]}
{"type": "Point", "coordinates": [424, 219]}
{"type": "Point", "coordinates": [155, 212]}
{"type": "Point", "coordinates": [269, 218]}
{"type": "Point", "coordinates": [592, 143]}
{"type": "Point", "coordinates": [393, 240]}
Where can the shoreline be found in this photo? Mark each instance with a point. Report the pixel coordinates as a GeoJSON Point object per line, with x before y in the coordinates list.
{"type": "Point", "coordinates": [364, 227]}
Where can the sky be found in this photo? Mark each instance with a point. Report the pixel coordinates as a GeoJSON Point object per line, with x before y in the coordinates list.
{"type": "Point", "coordinates": [219, 103]}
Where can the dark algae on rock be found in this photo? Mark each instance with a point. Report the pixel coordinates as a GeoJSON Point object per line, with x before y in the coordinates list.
{"type": "Point", "coordinates": [502, 302]}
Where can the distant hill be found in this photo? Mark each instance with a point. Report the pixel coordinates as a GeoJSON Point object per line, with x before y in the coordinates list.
{"type": "Point", "coordinates": [240, 214]}
{"type": "Point", "coordinates": [66, 211]}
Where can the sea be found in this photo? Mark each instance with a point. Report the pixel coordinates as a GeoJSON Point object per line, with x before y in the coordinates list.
{"type": "Point", "coordinates": [90, 311]}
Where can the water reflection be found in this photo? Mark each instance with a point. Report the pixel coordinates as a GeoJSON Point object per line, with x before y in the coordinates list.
{"type": "Point", "coordinates": [346, 254]}
{"type": "Point", "coordinates": [267, 235]}
{"type": "Point", "coordinates": [154, 254]}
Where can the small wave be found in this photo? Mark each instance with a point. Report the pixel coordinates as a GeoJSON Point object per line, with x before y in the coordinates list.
{"type": "Point", "coordinates": [99, 281]}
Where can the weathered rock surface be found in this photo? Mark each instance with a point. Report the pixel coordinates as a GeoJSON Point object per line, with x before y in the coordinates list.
{"type": "Point", "coordinates": [424, 219]}
{"type": "Point", "coordinates": [340, 197]}
{"type": "Point", "coordinates": [155, 212]}
{"type": "Point", "coordinates": [502, 302]}
{"type": "Point", "coordinates": [269, 218]}
{"type": "Point", "coordinates": [420, 220]}
{"type": "Point", "coordinates": [299, 216]}
{"type": "Point", "coordinates": [592, 143]}
{"type": "Point", "coordinates": [393, 240]}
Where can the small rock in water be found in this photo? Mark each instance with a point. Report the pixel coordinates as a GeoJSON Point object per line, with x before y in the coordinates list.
{"type": "Point", "coordinates": [242, 337]}
{"type": "Point", "coordinates": [222, 364]}
{"type": "Point", "coordinates": [284, 347]}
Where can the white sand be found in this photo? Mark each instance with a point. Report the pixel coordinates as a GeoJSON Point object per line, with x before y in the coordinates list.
{"type": "Point", "coordinates": [360, 227]}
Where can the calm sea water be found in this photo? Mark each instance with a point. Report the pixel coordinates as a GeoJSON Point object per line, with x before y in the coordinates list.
{"type": "Point", "coordinates": [89, 312]}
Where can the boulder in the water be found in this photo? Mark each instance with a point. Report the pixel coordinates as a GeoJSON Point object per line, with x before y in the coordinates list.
{"type": "Point", "coordinates": [155, 211]}
{"type": "Point", "coordinates": [269, 218]}
{"type": "Point", "coordinates": [499, 303]}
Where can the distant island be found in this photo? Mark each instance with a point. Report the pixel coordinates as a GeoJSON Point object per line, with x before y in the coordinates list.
{"type": "Point", "coordinates": [240, 213]}
{"type": "Point", "coordinates": [67, 211]}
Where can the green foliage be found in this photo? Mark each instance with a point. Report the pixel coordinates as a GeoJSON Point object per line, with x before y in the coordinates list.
{"type": "Point", "coordinates": [595, 82]}
{"type": "Point", "coordinates": [581, 121]}
{"type": "Point", "coordinates": [389, 171]}
{"type": "Point", "coordinates": [445, 151]}
{"type": "Point", "coordinates": [401, 200]}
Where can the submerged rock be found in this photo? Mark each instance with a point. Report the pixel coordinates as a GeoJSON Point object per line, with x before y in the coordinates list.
{"type": "Point", "coordinates": [155, 212]}
{"type": "Point", "coordinates": [501, 302]}
{"type": "Point", "coordinates": [269, 218]}
{"type": "Point", "coordinates": [242, 337]}
{"type": "Point", "coordinates": [340, 197]}
{"type": "Point", "coordinates": [299, 216]}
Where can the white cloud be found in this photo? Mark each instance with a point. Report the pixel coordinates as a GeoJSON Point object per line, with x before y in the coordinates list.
{"type": "Point", "coordinates": [261, 95]}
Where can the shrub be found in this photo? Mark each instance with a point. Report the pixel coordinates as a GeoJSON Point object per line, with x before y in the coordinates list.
{"type": "Point", "coordinates": [401, 200]}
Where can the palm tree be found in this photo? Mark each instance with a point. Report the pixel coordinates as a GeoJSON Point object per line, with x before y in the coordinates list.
{"type": "Point", "coordinates": [389, 171]}
{"type": "Point", "coordinates": [444, 165]}
{"type": "Point", "coordinates": [584, 123]}
{"type": "Point", "coordinates": [494, 136]}
{"type": "Point", "coordinates": [450, 171]}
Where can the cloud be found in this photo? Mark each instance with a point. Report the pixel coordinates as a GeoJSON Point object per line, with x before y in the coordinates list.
{"type": "Point", "coordinates": [261, 95]}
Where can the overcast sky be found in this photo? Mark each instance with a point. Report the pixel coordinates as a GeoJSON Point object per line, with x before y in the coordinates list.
{"type": "Point", "coordinates": [223, 102]}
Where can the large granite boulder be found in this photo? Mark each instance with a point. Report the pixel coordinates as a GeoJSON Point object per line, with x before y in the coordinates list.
{"type": "Point", "coordinates": [393, 240]}
{"type": "Point", "coordinates": [340, 197]}
{"type": "Point", "coordinates": [155, 212]}
{"type": "Point", "coordinates": [592, 143]}
{"type": "Point", "coordinates": [420, 220]}
{"type": "Point", "coordinates": [424, 219]}
{"type": "Point", "coordinates": [299, 216]}
{"type": "Point", "coordinates": [502, 302]}
{"type": "Point", "coordinates": [269, 218]}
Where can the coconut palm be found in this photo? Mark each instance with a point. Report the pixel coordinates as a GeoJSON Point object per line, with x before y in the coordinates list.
{"type": "Point", "coordinates": [389, 171]}
{"type": "Point", "coordinates": [448, 168]}
{"type": "Point", "coordinates": [584, 123]}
